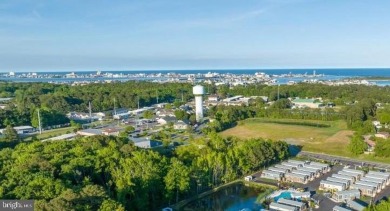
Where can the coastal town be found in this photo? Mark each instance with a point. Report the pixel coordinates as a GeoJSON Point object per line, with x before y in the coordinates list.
{"type": "Point", "coordinates": [305, 183]}
{"type": "Point", "coordinates": [231, 79]}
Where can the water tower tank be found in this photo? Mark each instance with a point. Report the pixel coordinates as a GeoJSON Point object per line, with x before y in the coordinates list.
{"type": "Point", "coordinates": [198, 90]}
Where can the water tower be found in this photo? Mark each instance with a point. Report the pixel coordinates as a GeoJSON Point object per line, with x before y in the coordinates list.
{"type": "Point", "coordinates": [198, 91]}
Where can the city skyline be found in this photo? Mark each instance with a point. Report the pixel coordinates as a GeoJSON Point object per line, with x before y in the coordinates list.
{"type": "Point", "coordinates": [71, 35]}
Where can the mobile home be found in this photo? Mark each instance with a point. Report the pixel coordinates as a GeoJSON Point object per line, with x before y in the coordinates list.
{"type": "Point", "coordinates": [332, 186]}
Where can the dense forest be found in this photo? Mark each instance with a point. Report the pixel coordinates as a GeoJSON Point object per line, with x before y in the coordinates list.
{"type": "Point", "coordinates": [110, 173]}
{"type": "Point", "coordinates": [358, 101]}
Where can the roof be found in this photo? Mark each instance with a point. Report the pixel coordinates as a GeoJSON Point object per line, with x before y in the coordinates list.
{"type": "Point", "coordinates": [290, 202]}
{"type": "Point", "coordinates": [147, 143]}
{"type": "Point", "coordinates": [296, 175]}
{"type": "Point", "coordinates": [338, 208]}
{"type": "Point", "coordinates": [353, 170]}
{"type": "Point", "coordinates": [5, 99]}
{"type": "Point", "coordinates": [335, 179]}
{"type": "Point", "coordinates": [331, 183]}
{"type": "Point", "coordinates": [379, 173]}
{"type": "Point", "coordinates": [298, 100]}
{"type": "Point", "coordinates": [284, 207]}
{"type": "Point", "coordinates": [348, 192]}
{"type": "Point", "coordinates": [23, 128]}
{"type": "Point", "coordinates": [364, 187]}
{"type": "Point", "coordinates": [271, 172]}
{"type": "Point", "coordinates": [342, 176]}
{"type": "Point", "coordinates": [61, 137]}
{"type": "Point", "coordinates": [180, 122]}
{"type": "Point", "coordinates": [110, 130]}
{"type": "Point", "coordinates": [91, 131]}
{"type": "Point", "coordinates": [355, 205]}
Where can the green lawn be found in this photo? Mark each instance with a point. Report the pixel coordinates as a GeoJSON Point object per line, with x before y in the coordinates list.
{"type": "Point", "coordinates": [51, 133]}
{"type": "Point", "coordinates": [331, 140]}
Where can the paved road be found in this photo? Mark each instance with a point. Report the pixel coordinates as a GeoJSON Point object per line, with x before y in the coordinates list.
{"type": "Point", "coordinates": [345, 160]}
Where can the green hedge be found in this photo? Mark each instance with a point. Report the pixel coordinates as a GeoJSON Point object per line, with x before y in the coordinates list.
{"type": "Point", "coordinates": [309, 124]}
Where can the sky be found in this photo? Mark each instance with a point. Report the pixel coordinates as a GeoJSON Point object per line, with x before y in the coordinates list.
{"type": "Point", "coordinates": [62, 35]}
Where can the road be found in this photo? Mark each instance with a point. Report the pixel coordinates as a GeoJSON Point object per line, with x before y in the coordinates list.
{"type": "Point", "coordinates": [345, 160]}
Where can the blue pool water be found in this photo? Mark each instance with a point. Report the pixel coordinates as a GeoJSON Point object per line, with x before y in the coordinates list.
{"type": "Point", "coordinates": [284, 195]}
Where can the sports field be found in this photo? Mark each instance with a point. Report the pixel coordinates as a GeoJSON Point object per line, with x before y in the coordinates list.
{"type": "Point", "coordinates": [332, 139]}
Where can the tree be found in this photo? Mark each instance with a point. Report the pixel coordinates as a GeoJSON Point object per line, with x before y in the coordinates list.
{"type": "Point", "coordinates": [177, 179]}
{"type": "Point", "coordinates": [129, 129]}
{"type": "Point", "coordinates": [111, 205]}
{"type": "Point", "coordinates": [148, 114]}
{"type": "Point", "coordinates": [10, 135]}
{"type": "Point", "coordinates": [357, 145]}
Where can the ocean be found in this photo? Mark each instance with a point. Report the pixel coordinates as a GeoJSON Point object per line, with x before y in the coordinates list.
{"type": "Point", "coordinates": [328, 74]}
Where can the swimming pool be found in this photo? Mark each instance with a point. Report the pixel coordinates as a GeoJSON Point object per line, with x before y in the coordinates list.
{"type": "Point", "coordinates": [284, 195]}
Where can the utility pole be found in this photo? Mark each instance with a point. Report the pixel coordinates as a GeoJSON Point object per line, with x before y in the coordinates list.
{"type": "Point", "coordinates": [39, 122]}
{"type": "Point", "coordinates": [182, 96]}
{"type": "Point", "coordinates": [90, 112]}
{"type": "Point", "coordinates": [138, 102]}
{"type": "Point", "coordinates": [278, 91]}
{"type": "Point", "coordinates": [114, 107]}
{"type": "Point", "coordinates": [157, 95]}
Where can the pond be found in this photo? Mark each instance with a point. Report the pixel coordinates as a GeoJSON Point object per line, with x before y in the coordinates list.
{"type": "Point", "coordinates": [235, 197]}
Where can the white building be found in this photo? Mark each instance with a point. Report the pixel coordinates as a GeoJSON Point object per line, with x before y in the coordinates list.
{"type": "Point", "coordinates": [331, 186]}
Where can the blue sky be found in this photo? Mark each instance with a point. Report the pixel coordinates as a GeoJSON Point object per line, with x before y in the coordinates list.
{"type": "Point", "coordinates": [58, 35]}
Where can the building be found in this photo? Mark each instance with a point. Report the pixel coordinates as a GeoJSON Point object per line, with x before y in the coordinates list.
{"type": "Point", "coordinates": [338, 180]}
{"type": "Point", "coordinates": [298, 178]}
{"type": "Point", "coordinates": [338, 208]}
{"type": "Point", "coordinates": [181, 125]}
{"type": "Point", "coordinates": [166, 120]}
{"type": "Point", "coordinates": [293, 165]}
{"type": "Point", "coordinates": [310, 103]}
{"type": "Point", "coordinates": [284, 167]}
{"type": "Point", "coordinates": [110, 131]}
{"type": "Point", "coordinates": [384, 175]}
{"type": "Point", "coordinates": [300, 195]}
{"type": "Point", "coordinates": [355, 205]}
{"type": "Point", "coordinates": [365, 190]}
{"type": "Point", "coordinates": [331, 186]}
{"type": "Point", "coordinates": [380, 182]}
{"type": "Point", "coordinates": [377, 186]}
{"type": "Point", "coordinates": [360, 172]}
{"type": "Point", "coordinates": [325, 167]}
{"type": "Point", "coordinates": [355, 175]}
{"type": "Point", "coordinates": [316, 168]}
{"type": "Point", "coordinates": [384, 135]}
{"type": "Point", "coordinates": [288, 202]}
{"type": "Point", "coordinates": [310, 175]}
{"type": "Point", "coordinates": [21, 130]}
{"type": "Point", "coordinates": [198, 91]}
{"type": "Point", "coordinates": [121, 116]}
{"type": "Point", "coordinates": [346, 195]}
{"type": "Point", "coordinates": [248, 178]}
{"type": "Point", "coordinates": [369, 176]}
{"type": "Point", "coordinates": [351, 179]}
{"type": "Point", "coordinates": [316, 172]}
{"type": "Point", "coordinates": [69, 136]}
{"type": "Point", "coordinates": [89, 132]}
{"type": "Point", "coordinates": [145, 143]}
{"type": "Point", "coordinates": [281, 207]}
{"type": "Point", "coordinates": [279, 170]}
{"type": "Point", "coordinates": [213, 98]}
{"type": "Point", "coordinates": [303, 163]}
{"type": "Point", "coordinates": [271, 175]}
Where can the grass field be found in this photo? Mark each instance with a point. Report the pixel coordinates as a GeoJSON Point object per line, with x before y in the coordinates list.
{"type": "Point", "coordinates": [52, 133]}
{"type": "Point", "coordinates": [332, 140]}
